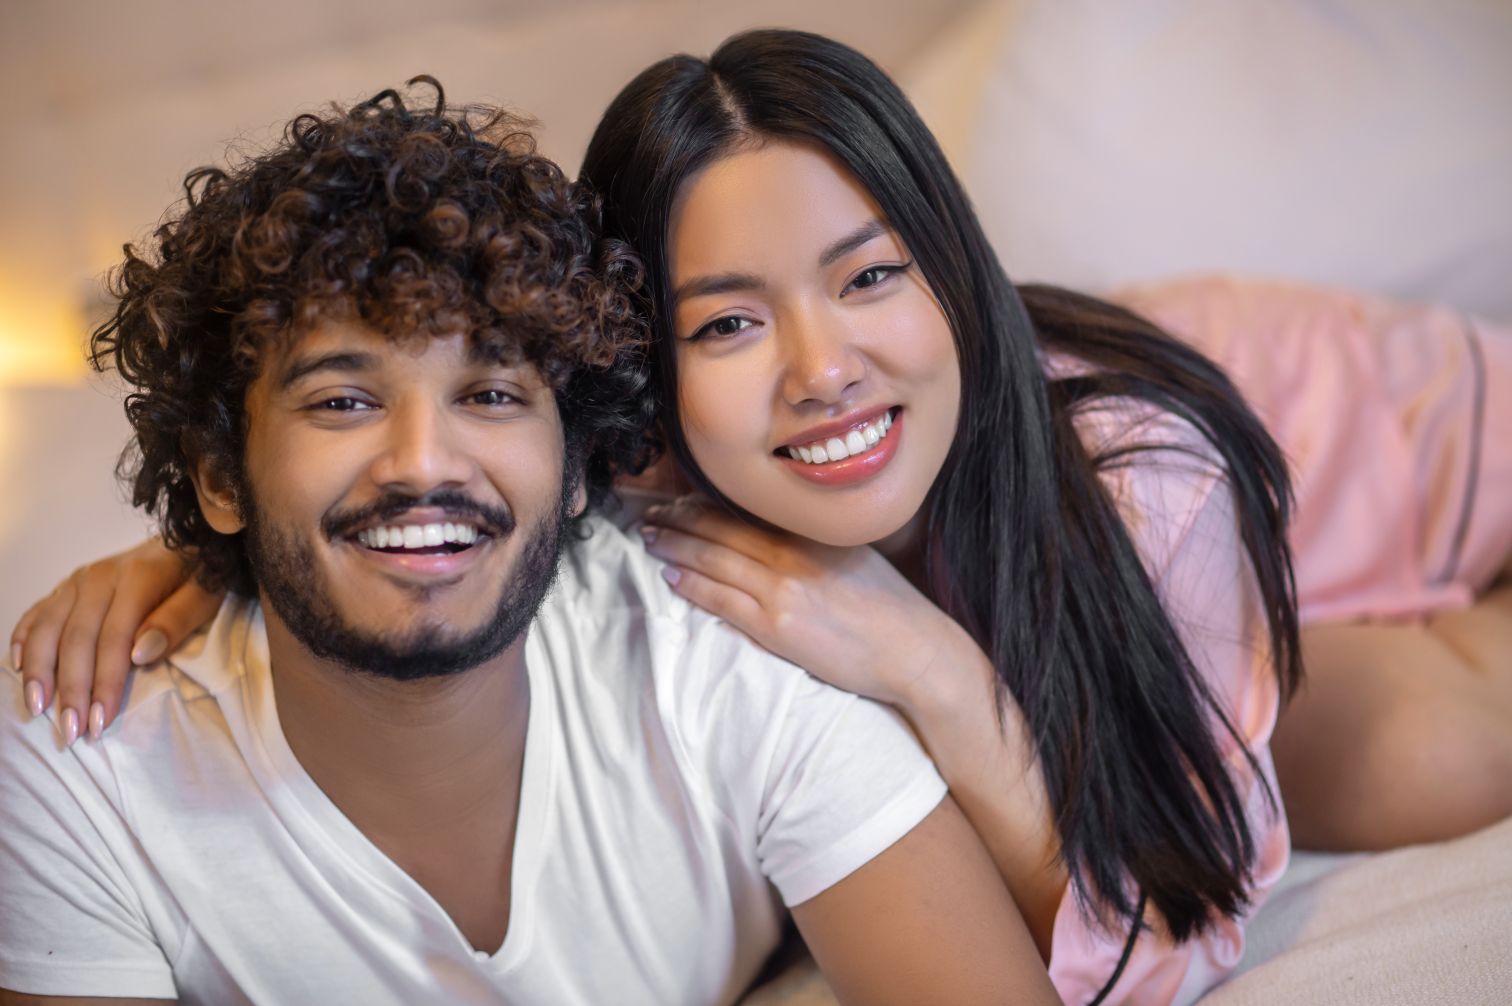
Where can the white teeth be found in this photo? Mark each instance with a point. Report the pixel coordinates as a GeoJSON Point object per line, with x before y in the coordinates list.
{"type": "Point", "coordinates": [835, 449]}
{"type": "Point", "coordinates": [417, 535]}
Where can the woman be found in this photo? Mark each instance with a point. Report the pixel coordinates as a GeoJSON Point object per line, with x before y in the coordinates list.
{"type": "Point", "coordinates": [1055, 538]}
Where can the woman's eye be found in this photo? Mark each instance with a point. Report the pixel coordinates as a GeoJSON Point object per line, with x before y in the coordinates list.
{"type": "Point", "coordinates": [723, 328]}
{"type": "Point", "coordinates": [872, 277]}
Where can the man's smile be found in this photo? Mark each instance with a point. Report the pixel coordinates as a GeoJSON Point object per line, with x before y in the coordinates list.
{"type": "Point", "coordinates": [423, 538]}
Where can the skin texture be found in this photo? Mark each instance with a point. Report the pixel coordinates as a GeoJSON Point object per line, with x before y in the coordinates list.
{"type": "Point", "coordinates": [1400, 734]}
{"type": "Point", "coordinates": [929, 908]}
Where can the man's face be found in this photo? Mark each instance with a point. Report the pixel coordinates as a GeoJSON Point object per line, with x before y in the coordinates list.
{"type": "Point", "coordinates": [406, 500]}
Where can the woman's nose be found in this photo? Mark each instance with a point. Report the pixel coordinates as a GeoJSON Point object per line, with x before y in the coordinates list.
{"type": "Point", "coordinates": [822, 362]}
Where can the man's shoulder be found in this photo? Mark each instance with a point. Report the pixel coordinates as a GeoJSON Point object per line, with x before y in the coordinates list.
{"type": "Point", "coordinates": [182, 686]}
{"type": "Point", "coordinates": [610, 593]}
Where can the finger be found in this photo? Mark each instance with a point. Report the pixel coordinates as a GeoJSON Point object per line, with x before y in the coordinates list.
{"type": "Point", "coordinates": [187, 609]}
{"type": "Point", "coordinates": [697, 516]}
{"type": "Point", "coordinates": [129, 639]}
{"type": "Point", "coordinates": [712, 559]}
{"type": "Point", "coordinates": [77, 645]}
{"type": "Point", "coordinates": [721, 600]}
{"type": "Point", "coordinates": [43, 626]}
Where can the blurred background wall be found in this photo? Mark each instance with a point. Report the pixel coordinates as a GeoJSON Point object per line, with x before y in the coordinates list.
{"type": "Point", "coordinates": [1362, 143]}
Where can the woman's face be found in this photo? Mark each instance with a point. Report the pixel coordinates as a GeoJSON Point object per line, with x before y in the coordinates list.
{"type": "Point", "coordinates": [817, 377]}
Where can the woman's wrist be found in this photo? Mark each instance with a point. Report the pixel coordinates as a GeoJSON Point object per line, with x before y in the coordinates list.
{"type": "Point", "coordinates": [952, 697]}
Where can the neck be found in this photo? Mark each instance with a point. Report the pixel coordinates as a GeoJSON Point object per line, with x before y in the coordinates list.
{"type": "Point", "coordinates": [904, 548]}
{"type": "Point", "coordinates": [402, 758]}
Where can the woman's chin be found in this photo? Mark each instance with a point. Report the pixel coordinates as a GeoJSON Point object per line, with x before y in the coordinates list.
{"type": "Point", "coordinates": [842, 528]}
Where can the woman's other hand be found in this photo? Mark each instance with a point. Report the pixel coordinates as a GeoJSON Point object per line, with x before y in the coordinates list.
{"type": "Point", "coordinates": [77, 643]}
{"type": "Point", "coordinates": [845, 615]}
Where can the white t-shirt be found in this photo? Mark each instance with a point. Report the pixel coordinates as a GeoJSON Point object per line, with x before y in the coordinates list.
{"type": "Point", "coordinates": [678, 782]}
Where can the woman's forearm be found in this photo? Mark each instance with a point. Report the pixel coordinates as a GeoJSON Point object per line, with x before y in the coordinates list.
{"type": "Point", "coordinates": [990, 767]}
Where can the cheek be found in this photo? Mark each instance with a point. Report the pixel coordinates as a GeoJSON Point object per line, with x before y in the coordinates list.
{"type": "Point", "coordinates": [721, 409]}
{"type": "Point", "coordinates": [298, 478]}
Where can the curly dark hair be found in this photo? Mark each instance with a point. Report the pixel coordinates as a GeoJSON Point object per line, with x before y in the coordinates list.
{"type": "Point", "coordinates": [417, 222]}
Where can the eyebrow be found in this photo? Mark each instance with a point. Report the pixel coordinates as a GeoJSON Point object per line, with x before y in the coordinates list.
{"type": "Point", "coordinates": [339, 361]}
{"type": "Point", "coordinates": [734, 282]}
{"type": "Point", "coordinates": [725, 282]}
{"type": "Point", "coordinates": [855, 239]}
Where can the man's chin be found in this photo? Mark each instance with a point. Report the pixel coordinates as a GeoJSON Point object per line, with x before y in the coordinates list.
{"type": "Point", "coordinates": [427, 651]}
{"type": "Point", "coordinates": [496, 606]}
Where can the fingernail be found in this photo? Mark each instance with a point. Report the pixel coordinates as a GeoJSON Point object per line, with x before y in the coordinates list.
{"type": "Point", "coordinates": [648, 533]}
{"type": "Point", "coordinates": [96, 720]}
{"type": "Point", "coordinates": [671, 574]}
{"type": "Point", "coordinates": [70, 727]}
{"type": "Point", "coordinates": [656, 511]}
{"type": "Point", "coordinates": [34, 697]}
{"type": "Point", "coordinates": [16, 656]}
{"type": "Point", "coordinates": [149, 647]}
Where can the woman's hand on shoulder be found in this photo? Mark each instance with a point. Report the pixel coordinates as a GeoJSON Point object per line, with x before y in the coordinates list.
{"type": "Point", "coordinates": [78, 643]}
{"type": "Point", "coordinates": [844, 614]}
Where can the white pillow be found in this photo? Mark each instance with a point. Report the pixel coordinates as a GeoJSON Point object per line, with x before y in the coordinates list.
{"type": "Point", "coordinates": [1354, 143]}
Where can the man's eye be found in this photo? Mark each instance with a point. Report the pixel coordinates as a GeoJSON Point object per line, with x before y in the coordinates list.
{"type": "Point", "coordinates": [493, 396]}
{"type": "Point", "coordinates": [343, 403]}
{"type": "Point", "coordinates": [722, 328]}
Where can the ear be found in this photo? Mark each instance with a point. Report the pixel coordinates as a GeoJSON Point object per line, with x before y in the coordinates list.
{"type": "Point", "coordinates": [580, 498]}
{"type": "Point", "coordinates": [217, 500]}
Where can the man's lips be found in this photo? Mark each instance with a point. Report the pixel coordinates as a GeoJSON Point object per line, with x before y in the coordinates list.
{"type": "Point", "coordinates": [429, 563]}
{"type": "Point", "coordinates": [440, 535]}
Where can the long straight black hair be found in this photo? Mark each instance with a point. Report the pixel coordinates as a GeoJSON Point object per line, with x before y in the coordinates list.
{"type": "Point", "coordinates": [1025, 546]}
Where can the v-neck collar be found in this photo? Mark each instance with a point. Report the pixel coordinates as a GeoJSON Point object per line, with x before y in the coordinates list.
{"type": "Point", "coordinates": [296, 795]}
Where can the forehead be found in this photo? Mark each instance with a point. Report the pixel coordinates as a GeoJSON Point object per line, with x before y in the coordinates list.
{"type": "Point", "coordinates": [336, 345]}
{"type": "Point", "coordinates": [780, 197]}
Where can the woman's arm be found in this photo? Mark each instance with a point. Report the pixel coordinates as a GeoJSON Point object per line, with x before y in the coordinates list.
{"type": "Point", "coordinates": [848, 617]}
{"type": "Point", "coordinates": [960, 940]}
{"type": "Point", "coordinates": [78, 642]}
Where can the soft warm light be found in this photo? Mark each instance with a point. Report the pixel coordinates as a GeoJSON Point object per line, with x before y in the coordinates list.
{"type": "Point", "coordinates": [41, 341]}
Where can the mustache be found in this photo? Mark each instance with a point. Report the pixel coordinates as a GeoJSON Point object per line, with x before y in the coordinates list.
{"type": "Point", "coordinates": [494, 520]}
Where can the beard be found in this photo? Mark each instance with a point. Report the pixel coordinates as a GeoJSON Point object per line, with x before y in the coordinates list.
{"type": "Point", "coordinates": [285, 570]}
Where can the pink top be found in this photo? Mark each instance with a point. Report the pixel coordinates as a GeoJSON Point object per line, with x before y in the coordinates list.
{"type": "Point", "coordinates": [1387, 414]}
{"type": "Point", "coordinates": [1181, 517]}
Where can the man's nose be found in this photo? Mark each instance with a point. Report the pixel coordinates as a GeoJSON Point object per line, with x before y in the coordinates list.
{"type": "Point", "coordinates": [421, 450]}
{"type": "Point", "coordinates": [822, 362]}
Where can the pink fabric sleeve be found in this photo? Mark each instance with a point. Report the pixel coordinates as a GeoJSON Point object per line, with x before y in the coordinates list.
{"type": "Point", "coordinates": [1180, 514]}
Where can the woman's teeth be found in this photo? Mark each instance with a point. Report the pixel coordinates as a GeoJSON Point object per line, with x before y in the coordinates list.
{"type": "Point", "coordinates": [418, 535]}
{"type": "Point", "coordinates": [837, 448]}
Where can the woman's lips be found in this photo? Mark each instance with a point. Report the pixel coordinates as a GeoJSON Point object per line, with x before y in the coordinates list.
{"type": "Point", "coordinates": [853, 469]}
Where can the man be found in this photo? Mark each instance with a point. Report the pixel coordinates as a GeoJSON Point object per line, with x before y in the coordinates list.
{"type": "Point", "coordinates": [381, 371]}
